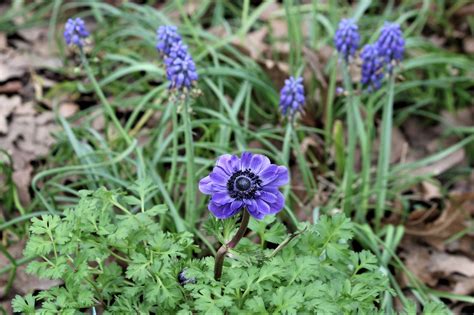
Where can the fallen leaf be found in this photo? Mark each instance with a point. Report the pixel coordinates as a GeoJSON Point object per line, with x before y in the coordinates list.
{"type": "Point", "coordinates": [468, 44]}
{"type": "Point", "coordinates": [253, 44]}
{"type": "Point", "coordinates": [10, 87]}
{"type": "Point", "coordinates": [442, 165]}
{"type": "Point", "coordinates": [68, 109]}
{"type": "Point", "coordinates": [24, 283]}
{"type": "Point", "coordinates": [3, 41]}
{"type": "Point", "coordinates": [7, 106]}
{"type": "Point", "coordinates": [26, 136]}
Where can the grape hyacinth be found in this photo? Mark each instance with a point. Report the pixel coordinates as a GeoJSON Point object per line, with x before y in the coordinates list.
{"type": "Point", "coordinates": [178, 50]}
{"type": "Point", "coordinates": [166, 36]}
{"type": "Point", "coordinates": [372, 67]}
{"type": "Point", "coordinates": [181, 71]}
{"type": "Point", "coordinates": [292, 95]}
{"type": "Point", "coordinates": [391, 44]}
{"type": "Point", "coordinates": [346, 38]}
{"type": "Point", "coordinates": [75, 32]}
{"type": "Point", "coordinates": [250, 182]}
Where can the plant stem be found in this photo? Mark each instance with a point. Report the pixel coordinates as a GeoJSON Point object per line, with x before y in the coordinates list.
{"type": "Point", "coordinates": [329, 117]}
{"type": "Point", "coordinates": [351, 145]}
{"type": "Point", "coordinates": [171, 181]}
{"type": "Point", "coordinates": [190, 182]}
{"type": "Point", "coordinates": [384, 153]}
{"type": "Point", "coordinates": [108, 108]}
{"type": "Point", "coordinates": [219, 264]}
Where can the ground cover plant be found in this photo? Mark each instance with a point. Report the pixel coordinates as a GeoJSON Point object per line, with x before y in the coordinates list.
{"type": "Point", "coordinates": [226, 157]}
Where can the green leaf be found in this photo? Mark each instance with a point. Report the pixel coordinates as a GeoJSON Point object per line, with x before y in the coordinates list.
{"type": "Point", "coordinates": [24, 305]}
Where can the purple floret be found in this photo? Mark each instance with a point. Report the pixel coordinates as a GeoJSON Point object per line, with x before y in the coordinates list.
{"type": "Point", "coordinates": [390, 43]}
{"type": "Point", "coordinates": [346, 38]}
{"type": "Point", "coordinates": [292, 96]}
{"type": "Point", "coordinates": [181, 71]}
{"type": "Point", "coordinates": [372, 67]}
{"type": "Point", "coordinates": [75, 31]}
{"type": "Point", "coordinates": [167, 36]}
{"type": "Point", "coordinates": [250, 181]}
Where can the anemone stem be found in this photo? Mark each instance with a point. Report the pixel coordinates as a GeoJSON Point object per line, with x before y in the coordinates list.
{"type": "Point", "coordinates": [219, 264]}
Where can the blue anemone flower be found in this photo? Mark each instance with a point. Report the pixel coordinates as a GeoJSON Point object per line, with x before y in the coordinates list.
{"type": "Point", "coordinates": [250, 181]}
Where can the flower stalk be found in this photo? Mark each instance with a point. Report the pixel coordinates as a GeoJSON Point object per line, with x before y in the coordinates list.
{"type": "Point", "coordinates": [108, 108]}
{"type": "Point", "coordinates": [188, 144]}
{"type": "Point", "coordinates": [384, 152]}
{"type": "Point", "coordinates": [352, 140]}
{"type": "Point", "coordinates": [220, 256]}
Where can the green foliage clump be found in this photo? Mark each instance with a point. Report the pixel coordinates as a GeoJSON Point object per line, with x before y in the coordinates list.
{"type": "Point", "coordinates": [124, 262]}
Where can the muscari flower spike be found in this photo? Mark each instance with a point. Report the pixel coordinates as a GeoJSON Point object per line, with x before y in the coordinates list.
{"type": "Point", "coordinates": [346, 38]}
{"type": "Point", "coordinates": [250, 181]}
{"type": "Point", "coordinates": [180, 71]}
{"type": "Point", "coordinates": [292, 96]}
{"type": "Point", "coordinates": [75, 31]}
{"type": "Point", "coordinates": [390, 43]}
{"type": "Point", "coordinates": [178, 50]}
{"type": "Point", "coordinates": [166, 36]}
{"type": "Point", "coordinates": [372, 67]}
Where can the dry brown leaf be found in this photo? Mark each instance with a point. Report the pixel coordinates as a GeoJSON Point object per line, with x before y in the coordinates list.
{"type": "Point", "coordinates": [278, 29]}
{"type": "Point", "coordinates": [445, 264]}
{"type": "Point", "coordinates": [462, 117]}
{"type": "Point", "coordinates": [439, 167]}
{"type": "Point", "coordinates": [431, 265]}
{"type": "Point", "coordinates": [24, 283]}
{"type": "Point", "coordinates": [429, 190]}
{"type": "Point", "coordinates": [28, 137]}
{"type": "Point", "coordinates": [68, 109]}
{"type": "Point", "coordinates": [13, 86]}
{"type": "Point", "coordinates": [3, 41]}
{"type": "Point", "coordinates": [316, 66]}
{"type": "Point", "coordinates": [468, 44]}
{"type": "Point", "coordinates": [7, 106]}
{"type": "Point", "coordinates": [269, 10]}
{"type": "Point", "coordinates": [449, 222]}
{"type": "Point", "coordinates": [464, 286]}
{"type": "Point", "coordinates": [253, 44]}
{"type": "Point", "coordinates": [277, 71]}
{"type": "Point", "coordinates": [465, 10]}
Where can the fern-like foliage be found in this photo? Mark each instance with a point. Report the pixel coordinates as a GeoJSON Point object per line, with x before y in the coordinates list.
{"type": "Point", "coordinates": [114, 261]}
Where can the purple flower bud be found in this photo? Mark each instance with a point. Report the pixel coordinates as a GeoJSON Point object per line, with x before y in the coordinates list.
{"type": "Point", "coordinates": [391, 44]}
{"type": "Point", "coordinates": [180, 70]}
{"type": "Point", "coordinates": [75, 31]}
{"type": "Point", "coordinates": [347, 38]}
{"type": "Point", "coordinates": [339, 90]}
{"type": "Point", "coordinates": [166, 36]}
{"type": "Point", "coordinates": [292, 96]}
{"type": "Point", "coordinates": [372, 67]}
{"type": "Point", "coordinates": [250, 181]}
{"type": "Point", "coordinates": [183, 279]}
{"type": "Point", "coordinates": [178, 50]}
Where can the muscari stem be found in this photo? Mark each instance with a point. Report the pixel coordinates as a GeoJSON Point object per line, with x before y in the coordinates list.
{"type": "Point", "coordinates": [190, 182]}
{"type": "Point", "coordinates": [219, 264]}
{"type": "Point", "coordinates": [108, 108]}
{"type": "Point", "coordinates": [352, 140]}
{"type": "Point", "coordinates": [384, 152]}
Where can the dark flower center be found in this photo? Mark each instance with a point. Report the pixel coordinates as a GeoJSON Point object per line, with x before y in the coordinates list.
{"type": "Point", "coordinates": [243, 185]}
